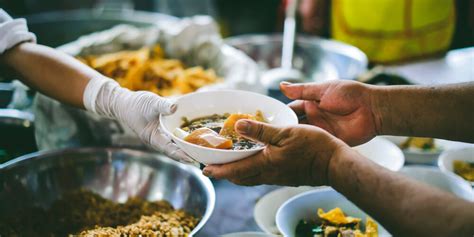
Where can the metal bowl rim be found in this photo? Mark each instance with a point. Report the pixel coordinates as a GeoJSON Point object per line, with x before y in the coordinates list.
{"type": "Point", "coordinates": [326, 44]}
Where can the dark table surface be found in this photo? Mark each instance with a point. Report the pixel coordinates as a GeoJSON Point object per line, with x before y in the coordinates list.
{"type": "Point", "coordinates": [234, 208]}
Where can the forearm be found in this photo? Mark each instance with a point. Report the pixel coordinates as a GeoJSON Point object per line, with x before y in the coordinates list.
{"type": "Point", "coordinates": [404, 206]}
{"type": "Point", "coordinates": [51, 72]}
{"type": "Point", "coordinates": [425, 111]}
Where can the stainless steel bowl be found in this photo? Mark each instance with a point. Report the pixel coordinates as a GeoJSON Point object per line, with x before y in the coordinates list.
{"type": "Point", "coordinates": [318, 59]}
{"type": "Point", "coordinates": [117, 174]}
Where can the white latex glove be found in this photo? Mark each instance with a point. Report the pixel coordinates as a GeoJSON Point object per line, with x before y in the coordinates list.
{"type": "Point", "coordinates": [13, 32]}
{"type": "Point", "coordinates": [139, 110]}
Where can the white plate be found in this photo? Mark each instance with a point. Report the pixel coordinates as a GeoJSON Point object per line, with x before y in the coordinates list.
{"type": "Point", "coordinates": [383, 152]}
{"type": "Point", "coordinates": [305, 205]}
{"type": "Point", "coordinates": [266, 208]}
{"type": "Point", "coordinates": [446, 159]}
{"type": "Point", "coordinates": [426, 157]}
{"type": "Point", "coordinates": [436, 178]}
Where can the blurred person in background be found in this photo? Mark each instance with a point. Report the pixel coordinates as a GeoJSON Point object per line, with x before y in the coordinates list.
{"type": "Point", "coordinates": [393, 31]}
{"type": "Point", "coordinates": [64, 78]}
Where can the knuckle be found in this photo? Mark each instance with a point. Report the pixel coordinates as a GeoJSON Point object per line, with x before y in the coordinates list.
{"type": "Point", "coordinates": [259, 131]}
{"type": "Point", "coordinates": [234, 173]}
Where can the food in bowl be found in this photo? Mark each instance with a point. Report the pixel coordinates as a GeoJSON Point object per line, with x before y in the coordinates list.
{"type": "Point", "coordinates": [84, 213]}
{"type": "Point", "coordinates": [205, 103]}
{"type": "Point", "coordinates": [335, 223]}
{"type": "Point", "coordinates": [217, 131]}
{"type": "Point", "coordinates": [420, 143]}
{"type": "Point", "coordinates": [148, 69]}
{"type": "Point", "coordinates": [464, 169]}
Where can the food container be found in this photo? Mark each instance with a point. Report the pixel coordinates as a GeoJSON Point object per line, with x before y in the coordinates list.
{"type": "Point", "coordinates": [54, 28]}
{"type": "Point", "coordinates": [318, 59]}
{"type": "Point", "coordinates": [117, 174]}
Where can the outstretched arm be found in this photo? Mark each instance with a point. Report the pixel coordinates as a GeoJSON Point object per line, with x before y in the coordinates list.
{"type": "Point", "coordinates": [356, 112]}
{"type": "Point", "coordinates": [307, 155]}
{"type": "Point", "coordinates": [52, 73]}
{"type": "Point", "coordinates": [405, 207]}
{"type": "Point", "coordinates": [66, 79]}
{"type": "Point", "coordinates": [444, 111]}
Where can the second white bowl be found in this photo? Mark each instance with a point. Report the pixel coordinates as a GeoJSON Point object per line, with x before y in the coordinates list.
{"type": "Point", "coordinates": [447, 158]}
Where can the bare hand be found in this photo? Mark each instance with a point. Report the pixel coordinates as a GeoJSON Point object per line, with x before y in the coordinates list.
{"type": "Point", "coordinates": [342, 108]}
{"type": "Point", "coordinates": [297, 155]}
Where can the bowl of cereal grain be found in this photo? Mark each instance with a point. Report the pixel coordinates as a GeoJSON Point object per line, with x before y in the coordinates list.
{"type": "Point", "coordinates": [102, 192]}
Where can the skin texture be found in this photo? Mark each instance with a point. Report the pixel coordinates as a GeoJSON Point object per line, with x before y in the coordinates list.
{"type": "Point", "coordinates": [355, 113]}
{"type": "Point", "coordinates": [342, 108]}
{"type": "Point", "coordinates": [404, 206]}
{"type": "Point", "coordinates": [51, 72]}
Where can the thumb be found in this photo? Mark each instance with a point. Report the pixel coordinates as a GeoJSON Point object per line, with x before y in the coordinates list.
{"type": "Point", "coordinates": [259, 131]}
{"type": "Point", "coordinates": [152, 105]}
{"type": "Point", "coordinates": [164, 106]}
{"type": "Point", "coordinates": [302, 91]}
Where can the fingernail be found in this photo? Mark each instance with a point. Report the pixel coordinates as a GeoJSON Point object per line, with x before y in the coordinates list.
{"type": "Point", "coordinates": [285, 83]}
{"type": "Point", "coordinates": [243, 127]}
{"type": "Point", "coordinates": [207, 172]}
{"type": "Point", "coordinates": [173, 108]}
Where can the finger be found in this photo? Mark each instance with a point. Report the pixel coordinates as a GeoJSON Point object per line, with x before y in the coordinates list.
{"type": "Point", "coordinates": [297, 106]}
{"type": "Point", "coordinates": [259, 131]}
{"type": "Point", "coordinates": [152, 105]}
{"type": "Point", "coordinates": [153, 137]}
{"type": "Point", "coordinates": [237, 170]}
{"type": "Point", "coordinates": [302, 91]}
{"type": "Point", "coordinates": [164, 106]}
{"type": "Point", "coordinates": [250, 181]}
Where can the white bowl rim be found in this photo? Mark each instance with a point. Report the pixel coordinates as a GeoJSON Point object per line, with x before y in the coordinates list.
{"type": "Point", "coordinates": [215, 149]}
{"type": "Point", "coordinates": [444, 169]}
{"type": "Point", "coordinates": [310, 192]}
{"type": "Point", "coordinates": [273, 193]}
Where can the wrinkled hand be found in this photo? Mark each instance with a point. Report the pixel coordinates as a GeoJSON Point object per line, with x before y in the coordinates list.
{"type": "Point", "coordinates": [297, 155]}
{"type": "Point", "coordinates": [343, 108]}
{"type": "Point", "coordinates": [139, 110]}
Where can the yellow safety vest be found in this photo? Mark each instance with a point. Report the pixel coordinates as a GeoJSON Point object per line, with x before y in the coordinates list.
{"type": "Point", "coordinates": [391, 31]}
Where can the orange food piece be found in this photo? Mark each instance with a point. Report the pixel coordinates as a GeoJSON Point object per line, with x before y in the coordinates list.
{"type": "Point", "coordinates": [228, 128]}
{"type": "Point", "coordinates": [208, 138]}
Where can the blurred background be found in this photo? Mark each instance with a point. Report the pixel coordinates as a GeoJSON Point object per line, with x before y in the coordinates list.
{"type": "Point", "coordinates": [317, 55]}
{"type": "Point", "coordinates": [234, 17]}
{"type": "Point", "coordinates": [442, 53]}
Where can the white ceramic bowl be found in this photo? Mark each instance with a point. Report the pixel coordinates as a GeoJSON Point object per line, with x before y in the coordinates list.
{"type": "Point", "coordinates": [382, 152]}
{"type": "Point", "coordinates": [436, 178]}
{"type": "Point", "coordinates": [416, 156]}
{"type": "Point", "coordinates": [206, 103]}
{"type": "Point", "coordinates": [379, 150]}
{"type": "Point", "coordinates": [266, 208]}
{"type": "Point", "coordinates": [305, 206]}
{"type": "Point", "coordinates": [446, 159]}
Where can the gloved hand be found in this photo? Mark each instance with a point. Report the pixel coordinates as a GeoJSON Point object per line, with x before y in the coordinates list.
{"type": "Point", "coordinates": [139, 110]}
{"type": "Point", "coordinates": [13, 32]}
